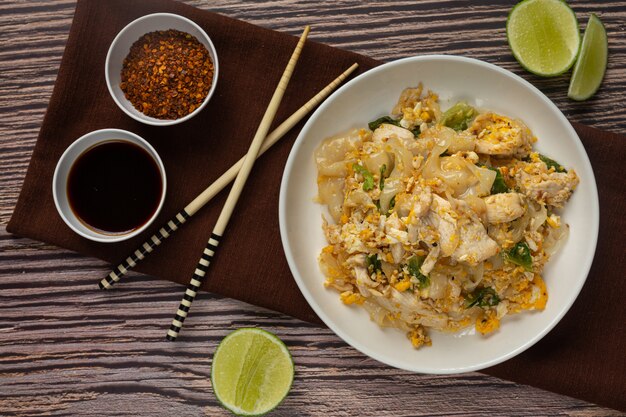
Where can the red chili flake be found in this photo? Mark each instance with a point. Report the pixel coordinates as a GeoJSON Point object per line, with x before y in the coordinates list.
{"type": "Point", "coordinates": [167, 74]}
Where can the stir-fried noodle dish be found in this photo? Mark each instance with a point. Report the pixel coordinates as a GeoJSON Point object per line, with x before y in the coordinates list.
{"type": "Point", "coordinates": [440, 220]}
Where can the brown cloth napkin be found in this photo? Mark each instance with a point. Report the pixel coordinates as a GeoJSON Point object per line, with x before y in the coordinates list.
{"type": "Point", "coordinates": [584, 356]}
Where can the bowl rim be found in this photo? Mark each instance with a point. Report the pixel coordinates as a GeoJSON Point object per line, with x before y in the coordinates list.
{"type": "Point", "coordinates": [593, 223]}
{"type": "Point", "coordinates": [147, 119]}
{"type": "Point", "coordinates": [64, 161]}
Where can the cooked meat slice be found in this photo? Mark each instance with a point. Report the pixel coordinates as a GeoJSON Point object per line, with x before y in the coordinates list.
{"type": "Point", "coordinates": [408, 98]}
{"type": "Point", "coordinates": [422, 199]}
{"type": "Point", "coordinates": [430, 261]}
{"type": "Point", "coordinates": [475, 245]}
{"type": "Point", "coordinates": [363, 277]}
{"type": "Point", "coordinates": [414, 205]}
{"type": "Point", "coordinates": [543, 185]}
{"type": "Point", "coordinates": [397, 252]}
{"type": "Point", "coordinates": [501, 136]}
{"type": "Point", "coordinates": [504, 207]}
{"type": "Point", "coordinates": [442, 217]}
{"type": "Point", "coordinates": [357, 260]}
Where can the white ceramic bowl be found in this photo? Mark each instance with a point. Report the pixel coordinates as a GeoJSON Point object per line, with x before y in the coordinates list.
{"type": "Point", "coordinates": [374, 94]}
{"type": "Point", "coordinates": [59, 182]}
{"type": "Point", "coordinates": [121, 46]}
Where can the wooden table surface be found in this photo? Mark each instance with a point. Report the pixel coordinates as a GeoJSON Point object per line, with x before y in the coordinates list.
{"type": "Point", "coordinates": [66, 350]}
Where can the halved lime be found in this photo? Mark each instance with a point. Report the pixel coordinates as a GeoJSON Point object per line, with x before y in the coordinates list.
{"type": "Point", "coordinates": [252, 372]}
{"type": "Point", "coordinates": [591, 65]}
{"type": "Point", "coordinates": [544, 36]}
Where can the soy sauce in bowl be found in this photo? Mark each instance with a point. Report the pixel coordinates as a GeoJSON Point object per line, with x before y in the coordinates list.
{"type": "Point", "coordinates": [114, 187]}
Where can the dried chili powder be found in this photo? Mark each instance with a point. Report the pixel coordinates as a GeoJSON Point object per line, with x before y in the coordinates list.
{"type": "Point", "coordinates": [167, 74]}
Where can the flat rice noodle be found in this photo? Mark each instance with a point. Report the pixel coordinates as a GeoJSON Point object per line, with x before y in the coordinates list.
{"type": "Point", "coordinates": [330, 192]}
{"type": "Point", "coordinates": [463, 177]}
{"type": "Point", "coordinates": [451, 140]}
{"type": "Point", "coordinates": [330, 156]}
{"type": "Point", "coordinates": [376, 160]}
{"type": "Point", "coordinates": [556, 239]}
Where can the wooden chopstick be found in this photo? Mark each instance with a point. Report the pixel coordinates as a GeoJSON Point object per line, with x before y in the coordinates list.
{"type": "Point", "coordinates": [229, 206]}
{"type": "Point", "coordinates": [212, 190]}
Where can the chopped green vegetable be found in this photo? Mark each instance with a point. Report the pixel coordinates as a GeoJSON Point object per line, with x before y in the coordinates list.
{"type": "Point", "coordinates": [414, 265]}
{"type": "Point", "coordinates": [373, 263]}
{"type": "Point", "coordinates": [368, 183]}
{"type": "Point", "coordinates": [551, 163]}
{"type": "Point", "coordinates": [385, 119]}
{"type": "Point", "coordinates": [459, 116]}
{"type": "Point", "coordinates": [381, 183]}
{"type": "Point", "coordinates": [499, 186]}
{"type": "Point", "coordinates": [396, 122]}
{"type": "Point", "coordinates": [520, 255]}
{"type": "Point", "coordinates": [483, 297]}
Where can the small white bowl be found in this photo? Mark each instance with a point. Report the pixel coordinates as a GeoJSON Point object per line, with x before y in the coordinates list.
{"type": "Point", "coordinates": [120, 47]}
{"type": "Point", "coordinates": [373, 94]}
{"type": "Point", "coordinates": [59, 182]}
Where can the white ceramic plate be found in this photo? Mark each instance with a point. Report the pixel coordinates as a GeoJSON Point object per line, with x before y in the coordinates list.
{"type": "Point", "coordinates": [373, 94]}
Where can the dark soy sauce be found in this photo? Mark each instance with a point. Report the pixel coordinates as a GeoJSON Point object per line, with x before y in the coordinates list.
{"type": "Point", "coordinates": [114, 187]}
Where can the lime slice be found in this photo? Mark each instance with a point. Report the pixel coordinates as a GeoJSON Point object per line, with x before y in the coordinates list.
{"type": "Point", "coordinates": [591, 65]}
{"type": "Point", "coordinates": [252, 372]}
{"type": "Point", "coordinates": [544, 36]}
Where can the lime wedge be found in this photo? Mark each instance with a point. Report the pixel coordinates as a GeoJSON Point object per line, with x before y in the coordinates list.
{"type": "Point", "coordinates": [544, 36]}
{"type": "Point", "coordinates": [252, 372]}
{"type": "Point", "coordinates": [591, 65]}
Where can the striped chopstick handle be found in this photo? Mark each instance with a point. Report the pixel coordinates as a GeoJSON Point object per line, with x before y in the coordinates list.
{"type": "Point", "coordinates": [194, 286]}
{"type": "Point", "coordinates": [235, 192]}
{"type": "Point", "coordinates": [147, 247]}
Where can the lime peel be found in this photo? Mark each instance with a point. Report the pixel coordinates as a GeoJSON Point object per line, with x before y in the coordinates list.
{"type": "Point", "coordinates": [544, 36]}
{"type": "Point", "coordinates": [591, 65]}
{"type": "Point", "coordinates": [252, 372]}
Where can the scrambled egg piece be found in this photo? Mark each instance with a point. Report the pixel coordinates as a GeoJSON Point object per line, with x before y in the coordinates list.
{"type": "Point", "coordinates": [488, 322]}
{"type": "Point", "coordinates": [348, 297]}
{"type": "Point", "coordinates": [418, 338]}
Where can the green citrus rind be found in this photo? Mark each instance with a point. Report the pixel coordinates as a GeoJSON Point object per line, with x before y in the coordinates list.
{"type": "Point", "coordinates": [272, 337]}
{"type": "Point", "coordinates": [515, 48]}
{"type": "Point", "coordinates": [585, 50]}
